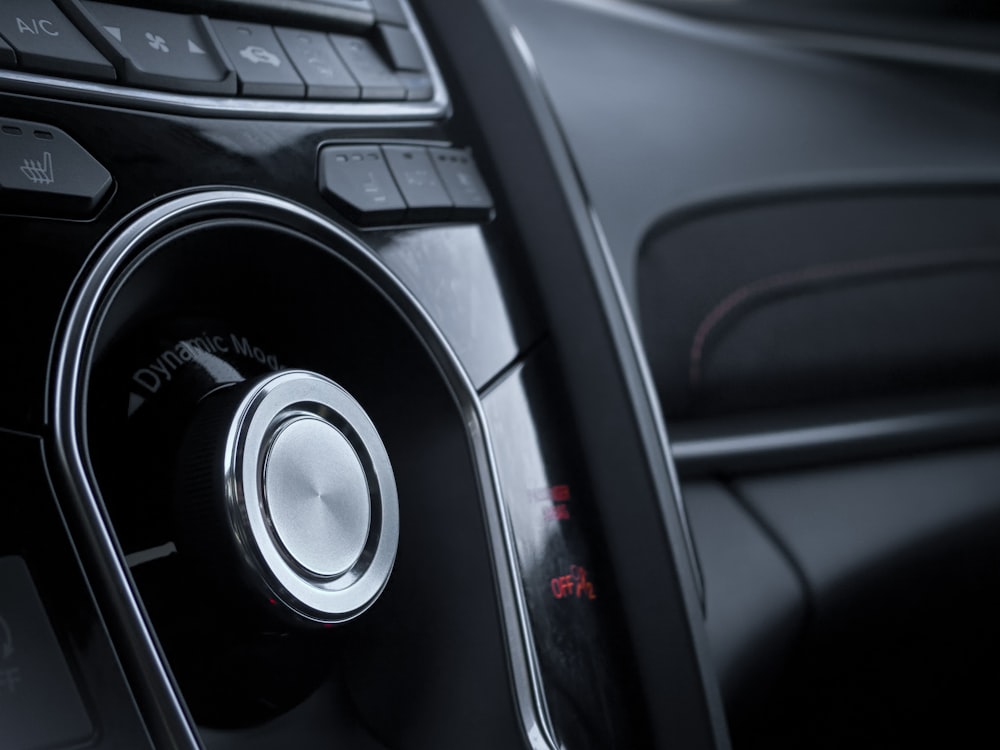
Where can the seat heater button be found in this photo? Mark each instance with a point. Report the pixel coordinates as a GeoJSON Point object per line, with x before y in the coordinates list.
{"type": "Point", "coordinates": [163, 50]}
{"type": "Point", "coordinates": [324, 72]}
{"type": "Point", "coordinates": [462, 181]}
{"type": "Point", "coordinates": [357, 179]}
{"type": "Point", "coordinates": [419, 182]}
{"type": "Point", "coordinates": [46, 41]}
{"type": "Point", "coordinates": [263, 67]}
{"type": "Point", "coordinates": [45, 172]}
{"type": "Point", "coordinates": [377, 81]}
{"type": "Point", "coordinates": [39, 702]}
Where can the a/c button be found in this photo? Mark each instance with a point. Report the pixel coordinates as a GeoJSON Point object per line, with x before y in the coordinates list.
{"type": "Point", "coordinates": [46, 41]}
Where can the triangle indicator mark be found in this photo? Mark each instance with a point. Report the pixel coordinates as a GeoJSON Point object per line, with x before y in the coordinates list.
{"type": "Point", "coordinates": [194, 49]}
{"type": "Point", "coordinates": [115, 31]}
{"type": "Point", "coordinates": [134, 402]}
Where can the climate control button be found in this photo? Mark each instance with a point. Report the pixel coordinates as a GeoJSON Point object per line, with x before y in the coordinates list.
{"type": "Point", "coordinates": [46, 41]}
{"type": "Point", "coordinates": [167, 51]}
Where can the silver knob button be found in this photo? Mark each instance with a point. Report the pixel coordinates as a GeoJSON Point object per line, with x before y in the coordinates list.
{"type": "Point", "coordinates": [289, 473]}
{"type": "Point", "coordinates": [317, 496]}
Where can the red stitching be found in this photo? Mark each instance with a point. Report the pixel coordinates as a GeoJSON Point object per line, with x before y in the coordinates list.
{"type": "Point", "coordinates": [834, 271]}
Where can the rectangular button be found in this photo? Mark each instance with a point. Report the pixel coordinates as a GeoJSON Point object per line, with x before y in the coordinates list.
{"type": "Point", "coordinates": [418, 182]}
{"type": "Point", "coordinates": [162, 50]}
{"type": "Point", "coordinates": [361, 6]}
{"type": "Point", "coordinates": [369, 69]}
{"type": "Point", "coordinates": [44, 171]}
{"type": "Point", "coordinates": [402, 48]}
{"type": "Point", "coordinates": [419, 87]}
{"type": "Point", "coordinates": [46, 41]}
{"type": "Point", "coordinates": [39, 702]}
{"type": "Point", "coordinates": [263, 67]}
{"type": "Point", "coordinates": [357, 180]}
{"type": "Point", "coordinates": [324, 72]}
{"type": "Point", "coordinates": [389, 11]}
{"type": "Point", "coordinates": [461, 179]}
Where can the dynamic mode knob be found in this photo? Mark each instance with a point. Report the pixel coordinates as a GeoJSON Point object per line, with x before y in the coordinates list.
{"type": "Point", "coordinates": [290, 474]}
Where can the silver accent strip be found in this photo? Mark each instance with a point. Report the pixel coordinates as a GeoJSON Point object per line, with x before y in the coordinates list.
{"type": "Point", "coordinates": [638, 352]}
{"type": "Point", "coordinates": [72, 355]}
{"type": "Point", "coordinates": [879, 47]}
{"type": "Point", "coordinates": [165, 713]}
{"type": "Point", "coordinates": [712, 23]}
{"type": "Point", "coordinates": [144, 556]}
{"type": "Point", "coordinates": [439, 107]}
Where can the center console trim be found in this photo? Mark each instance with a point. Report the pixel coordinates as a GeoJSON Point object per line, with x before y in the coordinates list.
{"type": "Point", "coordinates": [163, 708]}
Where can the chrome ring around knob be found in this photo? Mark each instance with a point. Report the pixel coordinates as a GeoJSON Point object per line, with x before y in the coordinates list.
{"type": "Point", "coordinates": [310, 496]}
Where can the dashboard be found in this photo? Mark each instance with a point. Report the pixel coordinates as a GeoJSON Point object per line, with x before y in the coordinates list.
{"type": "Point", "coordinates": [343, 338]}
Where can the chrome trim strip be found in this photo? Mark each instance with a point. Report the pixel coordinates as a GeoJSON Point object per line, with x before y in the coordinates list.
{"type": "Point", "coordinates": [68, 384]}
{"type": "Point", "coordinates": [439, 107]}
{"type": "Point", "coordinates": [638, 352]}
{"type": "Point", "coordinates": [880, 48]}
{"type": "Point", "coordinates": [164, 711]}
{"type": "Point", "coordinates": [144, 556]}
{"type": "Point", "coordinates": [713, 24]}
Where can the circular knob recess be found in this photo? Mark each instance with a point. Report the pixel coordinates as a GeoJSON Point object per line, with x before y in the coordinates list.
{"type": "Point", "coordinates": [290, 470]}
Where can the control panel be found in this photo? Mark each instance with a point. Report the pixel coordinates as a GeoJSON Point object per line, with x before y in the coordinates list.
{"type": "Point", "coordinates": [315, 53]}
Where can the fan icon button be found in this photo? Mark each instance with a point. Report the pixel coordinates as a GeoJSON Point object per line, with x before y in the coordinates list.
{"type": "Point", "coordinates": [157, 42]}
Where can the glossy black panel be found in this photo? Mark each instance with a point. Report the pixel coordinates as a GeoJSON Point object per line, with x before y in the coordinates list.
{"type": "Point", "coordinates": [464, 278]}
{"type": "Point", "coordinates": [309, 305]}
{"type": "Point", "coordinates": [143, 150]}
{"type": "Point", "coordinates": [575, 616]}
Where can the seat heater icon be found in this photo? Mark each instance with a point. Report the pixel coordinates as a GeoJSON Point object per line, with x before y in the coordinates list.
{"type": "Point", "coordinates": [39, 172]}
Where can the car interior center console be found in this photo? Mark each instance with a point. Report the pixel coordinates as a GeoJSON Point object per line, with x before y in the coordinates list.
{"type": "Point", "coordinates": [322, 423]}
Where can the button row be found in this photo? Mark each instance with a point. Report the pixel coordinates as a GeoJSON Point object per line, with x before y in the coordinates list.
{"type": "Point", "coordinates": [194, 54]}
{"type": "Point", "coordinates": [385, 184]}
